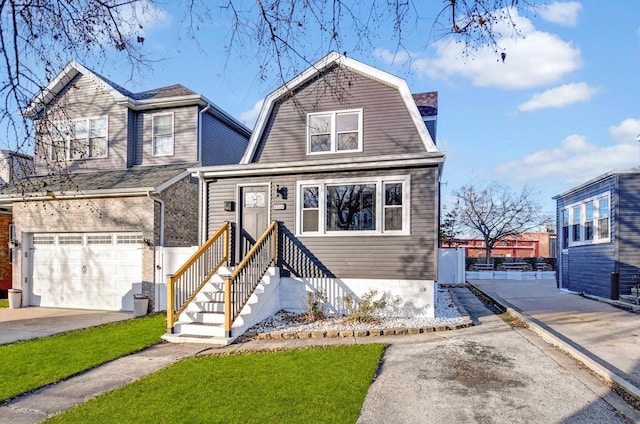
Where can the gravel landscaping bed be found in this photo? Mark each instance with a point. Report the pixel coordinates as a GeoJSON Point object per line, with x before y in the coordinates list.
{"type": "Point", "coordinates": [404, 319]}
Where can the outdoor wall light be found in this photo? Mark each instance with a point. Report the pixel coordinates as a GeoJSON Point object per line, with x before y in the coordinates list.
{"type": "Point", "coordinates": [281, 192]}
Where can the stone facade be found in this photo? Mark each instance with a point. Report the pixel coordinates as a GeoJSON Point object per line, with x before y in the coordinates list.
{"type": "Point", "coordinates": [181, 213]}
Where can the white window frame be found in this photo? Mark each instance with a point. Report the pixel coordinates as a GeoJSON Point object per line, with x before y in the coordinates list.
{"type": "Point", "coordinates": [154, 135]}
{"type": "Point", "coordinates": [66, 136]}
{"type": "Point", "coordinates": [580, 207]}
{"type": "Point", "coordinates": [379, 182]}
{"type": "Point", "coordinates": [334, 133]}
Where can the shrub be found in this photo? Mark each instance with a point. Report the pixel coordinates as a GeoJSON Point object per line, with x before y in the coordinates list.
{"type": "Point", "coordinates": [315, 302]}
{"type": "Point", "coordinates": [368, 306]}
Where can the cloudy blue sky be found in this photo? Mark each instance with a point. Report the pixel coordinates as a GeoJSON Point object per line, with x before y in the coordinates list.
{"type": "Point", "coordinates": [562, 108]}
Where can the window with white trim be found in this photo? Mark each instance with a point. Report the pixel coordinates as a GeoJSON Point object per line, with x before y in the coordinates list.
{"type": "Point", "coordinates": [587, 222]}
{"type": "Point", "coordinates": [575, 227]}
{"type": "Point", "coordinates": [603, 218]}
{"type": "Point", "coordinates": [79, 139]}
{"type": "Point", "coordinates": [334, 132]}
{"type": "Point", "coordinates": [162, 137]}
{"type": "Point", "coordinates": [565, 228]}
{"type": "Point", "coordinates": [362, 206]}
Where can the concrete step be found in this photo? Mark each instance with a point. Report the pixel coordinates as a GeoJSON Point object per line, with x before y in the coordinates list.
{"type": "Point", "coordinates": [206, 306]}
{"type": "Point", "coordinates": [182, 338]}
{"type": "Point", "coordinates": [202, 317]}
{"type": "Point", "coordinates": [198, 329]}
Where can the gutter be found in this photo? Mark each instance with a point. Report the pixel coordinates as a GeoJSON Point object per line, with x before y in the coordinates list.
{"type": "Point", "coordinates": [154, 197]}
{"type": "Point", "coordinates": [306, 167]}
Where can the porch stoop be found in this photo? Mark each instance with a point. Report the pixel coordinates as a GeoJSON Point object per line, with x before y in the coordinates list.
{"type": "Point", "coordinates": [202, 321]}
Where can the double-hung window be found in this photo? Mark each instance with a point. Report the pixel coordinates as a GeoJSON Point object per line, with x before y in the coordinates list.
{"type": "Point", "coordinates": [79, 139]}
{"type": "Point", "coordinates": [163, 134]}
{"type": "Point", "coordinates": [565, 228]}
{"type": "Point", "coordinates": [587, 222]}
{"type": "Point", "coordinates": [354, 206]}
{"type": "Point", "coordinates": [334, 132]}
{"type": "Point", "coordinates": [575, 228]}
{"type": "Point", "coordinates": [603, 218]}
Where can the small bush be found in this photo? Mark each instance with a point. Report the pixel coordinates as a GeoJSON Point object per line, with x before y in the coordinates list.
{"type": "Point", "coordinates": [316, 304]}
{"type": "Point", "coordinates": [367, 307]}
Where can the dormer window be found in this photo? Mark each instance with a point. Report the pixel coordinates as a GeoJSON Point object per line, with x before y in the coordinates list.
{"type": "Point", "coordinates": [163, 134]}
{"type": "Point", "coordinates": [334, 132]}
{"type": "Point", "coordinates": [79, 139]}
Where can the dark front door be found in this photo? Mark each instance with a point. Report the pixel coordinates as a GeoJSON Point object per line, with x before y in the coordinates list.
{"type": "Point", "coordinates": [254, 217]}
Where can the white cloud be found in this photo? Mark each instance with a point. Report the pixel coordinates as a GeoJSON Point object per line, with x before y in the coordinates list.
{"type": "Point", "coordinates": [140, 17]}
{"type": "Point", "coordinates": [391, 57]}
{"type": "Point", "coordinates": [563, 13]}
{"type": "Point", "coordinates": [250, 116]}
{"type": "Point", "coordinates": [560, 97]}
{"type": "Point", "coordinates": [533, 60]}
{"type": "Point", "coordinates": [574, 162]}
{"type": "Point", "coordinates": [628, 130]}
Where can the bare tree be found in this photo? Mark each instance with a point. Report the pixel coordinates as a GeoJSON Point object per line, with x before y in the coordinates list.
{"type": "Point", "coordinates": [39, 37]}
{"type": "Point", "coordinates": [449, 227]}
{"type": "Point", "coordinates": [495, 212]}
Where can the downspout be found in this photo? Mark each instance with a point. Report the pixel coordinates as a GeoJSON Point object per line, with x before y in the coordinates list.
{"type": "Point", "coordinates": [203, 200]}
{"type": "Point", "coordinates": [161, 202]}
{"type": "Point", "coordinates": [200, 130]}
{"type": "Point", "coordinates": [614, 215]}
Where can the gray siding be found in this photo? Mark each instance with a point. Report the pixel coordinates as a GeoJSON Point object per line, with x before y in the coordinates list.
{"type": "Point", "coordinates": [628, 231]}
{"type": "Point", "coordinates": [131, 138]}
{"type": "Point", "coordinates": [387, 126]}
{"type": "Point", "coordinates": [396, 257]}
{"type": "Point", "coordinates": [185, 136]}
{"type": "Point", "coordinates": [221, 144]}
{"type": "Point", "coordinates": [588, 268]}
{"type": "Point", "coordinates": [83, 98]}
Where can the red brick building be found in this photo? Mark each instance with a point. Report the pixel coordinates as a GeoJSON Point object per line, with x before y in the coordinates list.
{"type": "Point", "coordinates": [528, 245]}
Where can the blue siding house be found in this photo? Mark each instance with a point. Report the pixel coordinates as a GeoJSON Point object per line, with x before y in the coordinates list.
{"type": "Point", "coordinates": [599, 234]}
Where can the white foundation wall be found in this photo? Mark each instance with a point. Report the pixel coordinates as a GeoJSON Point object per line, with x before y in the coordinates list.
{"type": "Point", "coordinates": [416, 294]}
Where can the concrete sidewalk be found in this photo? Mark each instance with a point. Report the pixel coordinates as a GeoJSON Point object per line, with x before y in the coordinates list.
{"type": "Point", "coordinates": [603, 337]}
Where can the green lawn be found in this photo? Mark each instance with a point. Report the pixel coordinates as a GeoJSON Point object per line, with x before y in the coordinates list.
{"type": "Point", "coordinates": [4, 303]}
{"type": "Point", "coordinates": [319, 385]}
{"type": "Point", "coordinates": [30, 364]}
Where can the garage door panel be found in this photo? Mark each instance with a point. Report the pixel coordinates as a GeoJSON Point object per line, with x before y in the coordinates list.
{"type": "Point", "coordinates": [98, 274]}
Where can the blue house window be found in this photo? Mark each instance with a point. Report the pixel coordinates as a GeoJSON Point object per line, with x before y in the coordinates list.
{"type": "Point", "coordinates": [575, 228]}
{"type": "Point", "coordinates": [565, 228]}
{"type": "Point", "coordinates": [587, 222]}
{"type": "Point", "coordinates": [603, 221]}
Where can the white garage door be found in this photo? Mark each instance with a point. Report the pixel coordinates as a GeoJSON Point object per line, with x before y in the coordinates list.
{"type": "Point", "coordinates": [87, 271]}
